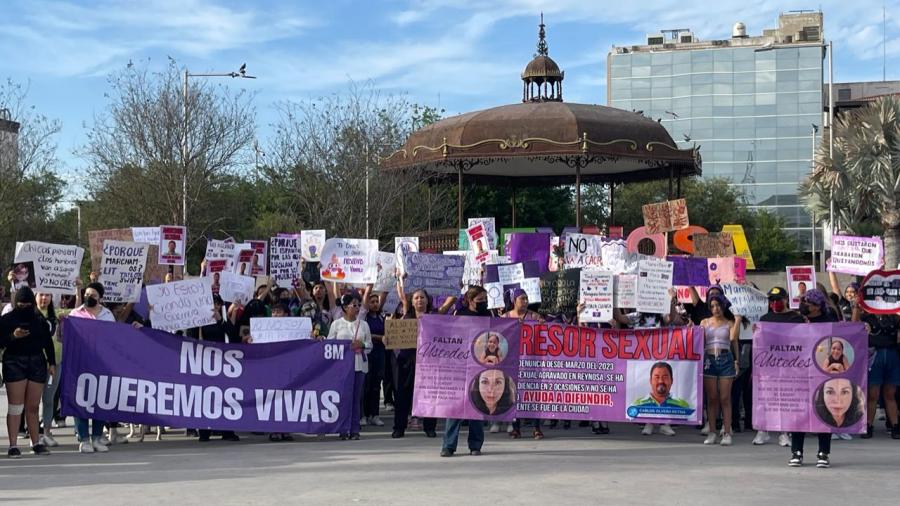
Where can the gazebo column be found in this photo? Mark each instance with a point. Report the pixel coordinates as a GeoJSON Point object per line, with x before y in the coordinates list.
{"type": "Point", "coordinates": [612, 205]}
{"type": "Point", "coordinates": [671, 181]}
{"type": "Point", "coordinates": [459, 197]}
{"type": "Point", "coordinates": [678, 185]}
{"type": "Point", "coordinates": [578, 196]}
{"type": "Point", "coordinates": [513, 201]}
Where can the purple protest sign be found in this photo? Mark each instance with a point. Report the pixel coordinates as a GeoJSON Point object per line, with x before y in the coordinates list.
{"type": "Point", "coordinates": [689, 271]}
{"type": "Point", "coordinates": [466, 367]}
{"type": "Point", "coordinates": [522, 247]}
{"type": "Point", "coordinates": [112, 371]}
{"type": "Point", "coordinates": [810, 377]}
{"type": "Point", "coordinates": [582, 373]}
{"type": "Point", "coordinates": [437, 274]}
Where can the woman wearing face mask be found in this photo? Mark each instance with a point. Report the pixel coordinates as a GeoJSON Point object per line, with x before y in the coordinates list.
{"type": "Point", "coordinates": [720, 365]}
{"type": "Point", "coordinates": [357, 332]}
{"type": "Point", "coordinates": [475, 303]}
{"type": "Point", "coordinates": [520, 311]}
{"type": "Point", "coordinates": [28, 362]}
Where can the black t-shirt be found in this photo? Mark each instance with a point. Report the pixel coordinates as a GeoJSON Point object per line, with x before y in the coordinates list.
{"type": "Point", "coordinates": [786, 317]}
{"type": "Point", "coordinates": [468, 312]}
{"type": "Point", "coordinates": [883, 329]}
{"type": "Point", "coordinates": [39, 341]}
{"type": "Point", "coordinates": [826, 317]}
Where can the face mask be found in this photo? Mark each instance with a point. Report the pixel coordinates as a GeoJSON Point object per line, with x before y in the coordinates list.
{"type": "Point", "coordinates": [481, 307]}
{"type": "Point", "coordinates": [777, 306]}
{"type": "Point", "coordinates": [91, 302]}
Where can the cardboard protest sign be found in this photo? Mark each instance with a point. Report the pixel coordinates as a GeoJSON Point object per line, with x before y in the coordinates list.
{"type": "Point", "coordinates": [746, 301]}
{"type": "Point", "coordinates": [276, 330]}
{"type": "Point", "coordinates": [490, 229]}
{"type": "Point", "coordinates": [146, 235]}
{"type": "Point", "coordinates": [597, 296]}
{"type": "Point", "coordinates": [436, 274]}
{"type": "Point", "coordinates": [386, 264]}
{"type": "Point", "coordinates": [856, 255]}
{"type": "Point", "coordinates": [122, 270]}
{"type": "Point", "coordinates": [478, 242]}
{"type": "Point", "coordinates": [741, 247]}
{"type": "Point", "coordinates": [261, 256]}
{"type": "Point", "coordinates": [654, 282]}
{"type": "Point", "coordinates": [350, 260]}
{"type": "Point", "coordinates": [180, 305]}
{"type": "Point", "coordinates": [56, 266]}
{"type": "Point", "coordinates": [583, 250]}
{"type": "Point", "coordinates": [713, 245]}
{"type": "Point", "coordinates": [799, 385]}
{"type": "Point", "coordinates": [880, 292]}
{"type": "Point", "coordinates": [96, 238]}
{"type": "Point", "coordinates": [665, 216]}
{"type": "Point", "coordinates": [172, 245]}
{"type": "Point", "coordinates": [284, 260]}
{"type": "Point", "coordinates": [311, 244]}
{"type": "Point", "coordinates": [235, 287]}
{"type": "Point", "coordinates": [799, 279]}
{"type": "Point", "coordinates": [400, 334]}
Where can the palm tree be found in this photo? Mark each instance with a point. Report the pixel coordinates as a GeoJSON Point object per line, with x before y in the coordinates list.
{"type": "Point", "coordinates": [863, 175]}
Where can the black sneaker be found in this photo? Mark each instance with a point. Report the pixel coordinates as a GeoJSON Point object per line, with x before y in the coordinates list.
{"type": "Point", "coordinates": [204, 438]}
{"type": "Point", "coordinates": [796, 460]}
{"type": "Point", "coordinates": [230, 436]}
{"type": "Point", "coordinates": [476, 453]}
{"type": "Point", "coordinates": [870, 431]}
{"type": "Point", "coordinates": [397, 434]}
{"type": "Point", "coordinates": [822, 460]}
{"type": "Point", "coordinates": [430, 433]}
{"type": "Point", "coordinates": [14, 453]}
{"type": "Point", "coordinates": [40, 449]}
{"type": "Point", "coordinates": [895, 431]}
{"type": "Point", "coordinates": [446, 452]}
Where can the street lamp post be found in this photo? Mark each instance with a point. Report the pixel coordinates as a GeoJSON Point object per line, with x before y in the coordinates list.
{"type": "Point", "coordinates": [242, 73]}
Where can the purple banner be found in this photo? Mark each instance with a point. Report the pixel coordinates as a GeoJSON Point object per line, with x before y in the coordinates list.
{"type": "Point", "coordinates": [523, 246]}
{"type": "Point", "coordinates": [689, 271]}
{"type": "Point", "coordinates": [466, 367]}
{"type": "Point", "coordinates": [810, 377]}
{"type": "Point", "coordinates": [112, 371]}
{"type": "Point", "coordinates": [582, 373]}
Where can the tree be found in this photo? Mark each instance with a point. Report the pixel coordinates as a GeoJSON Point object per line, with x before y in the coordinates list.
{"type": "Point", "coordinates": [535, 206]}
{"type": "Point", "coordinates": [134, 149]}
{"type": "Point", "coordinates": [771, 246]}
{"type": "Point", "coordinates": [862, 177]}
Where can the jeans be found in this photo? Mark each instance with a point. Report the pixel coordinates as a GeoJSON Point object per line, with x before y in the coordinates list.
{"type": "Point", "coordinates": [81, 425]}
{"type": "Point", "coordinates": [797, 439]}
{"type": "Point", "coordinates": [404, 373]}
{"type": "Point", "coordinates": [359, 381]}
{"type": "Point", "coordinates": [451, 434]}
{"type": "Point", "coordinates": [48, 399]}
{"type": "Point", "coordinates": [372, 395]}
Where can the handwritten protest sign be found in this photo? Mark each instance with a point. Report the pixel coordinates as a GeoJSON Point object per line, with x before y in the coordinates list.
{"type": "Point", "coordinates": [386, 264]}
{"type": "Point", "coordinates": [400, 334]}
{"type": "Point", "coordinates": [856, 255]}
{"type": "Point", "coordinates": [490, 229]}
{"type": "Point", "coordinates": [478, 242]}
{"type": "Point", "coordinates": [311, 244]}
{"type": "Point", "coordinates": [741, 246]}
{"type": "Point", "coordinates": [560, 291]}
{"type": "Point", "coordinates": [583, 250]}
{"type": "Point", "coordinates": [472, 269]}
{"type": "Point", "coordinates": [746, 301]}
{"type": "Point", "coordinates": [276, 330]}
{"type": "Point", "coordinates": [596, 295]}
{"type": "Point", "coordinates": [665, 216]}
{"type": "Point", "coordinates": [236, 288]}
{"type": "Point", "coordinates": [122, 270]}
{"type": "Point", "coordinates": [800, 278]}
{"type": "Point", "coordinates": [180, 305]}
{"type": "Point", "coordinates": [171, 245]}
{"type": "Point", "coordinates": [723, 270]}
{"type": "Point", "coordinates": [284, 260]}
{"type": "Point", "coordinates": [654, 282]}
{"type": "Point", "coordinates": [55, 266]}
{"type": "Point", "coordinates": [437, 274]}
{"type": "Point", "coordinates": [146, 235]}
{"type": "Point", "coordinates": [350, 260]}
{"type": "Point", "coordinates": [713, 245]}
{"type": "Point", "coordinates": [625, 291]}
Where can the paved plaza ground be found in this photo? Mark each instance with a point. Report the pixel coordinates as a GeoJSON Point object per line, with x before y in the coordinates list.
{"type": "Point", "coordinates": [568, 467]}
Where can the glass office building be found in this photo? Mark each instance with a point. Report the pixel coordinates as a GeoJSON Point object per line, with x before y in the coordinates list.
{"type": "Point", "coordinates": [750, 107]}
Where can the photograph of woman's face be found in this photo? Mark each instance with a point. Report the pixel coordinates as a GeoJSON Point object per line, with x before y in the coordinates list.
{"type": "Point", "coordinates": [838, 396]}
{"type": "Point", "coordinates": [837, 349]}
{"type": "Point", "coordinates": [491, 385]}
{"type": "Point", "coordinates": [493, 343]}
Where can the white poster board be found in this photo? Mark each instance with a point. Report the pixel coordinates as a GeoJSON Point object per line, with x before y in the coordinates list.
{"type": "Point", "coordinates": [172, 240]}
{"type": "Point", "coordinates": [56, 266]}
{"type": "Point", "coordinates": [122, 270]}
{"type": "Point", "coordinates": [311, 244]}
{"type": "Point", "coordinates": [181, 304]}
{"type": "Point", "coordinates": [349, 260]}
{"type": "Point", "coordinates": [275, 330]}
{"type": "Point", "coordinates": [596, 289]}
{"type": "Point", "coordinates": [654, 282]}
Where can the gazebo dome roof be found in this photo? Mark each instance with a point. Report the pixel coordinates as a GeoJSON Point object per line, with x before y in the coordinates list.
{"type": "Point", "coordinates": [542, 67]}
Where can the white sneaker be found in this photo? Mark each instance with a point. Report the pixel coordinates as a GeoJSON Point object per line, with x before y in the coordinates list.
{"type": "Point", "coordinates": [705, 430]}
{"type": "Point", "coordinates": [726, 440]}
{"type": "Point", "coordinates": [98, 446]}
{"type": "Point", "coordinates": [710, 439]}
{"type": "Point", "coordinates": [495, 428]}
{"type": "Point", "coordinates": [762, 437]}
{"type": "Point", "coordinates": [85, 447]}
{"type": "Point", "coordinates": [363, 422]}
{"type": "Point", "coordinates": [48, 441]}
{"type": "Point", "coordinates": [509, 428]}
{"type": "Point", "coordinates": [60, 424]}
{"type": "Point", "coordinates": [376, 421]}
{"type": "Point", "coordinates": [115, 438]}
{"type": "Point", "coordinates": [784, 439]}
{"type": "Point", "coordinates": [845, 437]}
{"type": "Point", "coordinates": [666, 430]}
{"type": "Point", "coordinates": [648, 429]}
{"type": "Point", "coordinates": [104, 441]}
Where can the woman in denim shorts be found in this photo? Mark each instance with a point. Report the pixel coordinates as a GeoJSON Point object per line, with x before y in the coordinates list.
{"type": "Point", "coordinates": [719, 365]}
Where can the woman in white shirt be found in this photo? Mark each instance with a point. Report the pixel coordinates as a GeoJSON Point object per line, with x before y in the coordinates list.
{"type": "Point", "coordinates": [357, 331]}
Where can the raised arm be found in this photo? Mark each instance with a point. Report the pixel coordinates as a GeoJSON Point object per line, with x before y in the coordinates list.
{"type": "Point", "coordinates": [835, 286]}
{"type": "Point", "coordinates": [447, 305]}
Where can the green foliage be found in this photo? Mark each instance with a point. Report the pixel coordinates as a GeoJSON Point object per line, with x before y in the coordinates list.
{"type": "Point", "coordinates": [535, 207]}
{"type": "Point", "coordinates": [771, 246]}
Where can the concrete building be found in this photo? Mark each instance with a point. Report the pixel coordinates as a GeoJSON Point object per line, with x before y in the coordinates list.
{"type": "Point", "coordinates": [849, 96]}
{"type": "Point", "coordinates": [752, 103]}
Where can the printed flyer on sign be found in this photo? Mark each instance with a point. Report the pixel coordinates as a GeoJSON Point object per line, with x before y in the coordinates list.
{"type": "Point", "coordinates": [311, 244]}
{"type": "Point", "coordinates": [799, 279]}
{"type": "Point", "coordinates": [635, 375]}
{"type": "Point", "coordinates": [478, 242]}
{"type": "Point", "coordinates": [810, 377]}
{"type": "Point", "coordinates": [260, 257]}
{"type": "Point", "coordinates": [171, 245]}
{"type": "Point", "coordinates": [404, 246]}
{"type": "Point", "coordinates": [490, 228]}
{"type": "Point", "coordinates": [466, 367]}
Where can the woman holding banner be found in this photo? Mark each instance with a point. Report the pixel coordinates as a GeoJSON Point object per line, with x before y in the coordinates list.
{"type": "Point", "coordinates": [357, 332]}
{"type": "Point", "coordinates": [519, 310]}
{"type": "Point", "coordinates": [720, 365]}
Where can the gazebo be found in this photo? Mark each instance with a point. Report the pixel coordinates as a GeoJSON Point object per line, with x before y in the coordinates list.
{"type": "Point", "coordinates": [544, 141]}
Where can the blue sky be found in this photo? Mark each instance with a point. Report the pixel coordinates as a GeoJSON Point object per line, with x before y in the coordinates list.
{"type": "Point", "coordinates": [461, 55]}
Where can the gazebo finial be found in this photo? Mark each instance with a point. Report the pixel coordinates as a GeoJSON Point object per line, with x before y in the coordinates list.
{"type": "Point", "coordinates": [542, 79]}
{"type": "Point", "coordinates": [542, 48]}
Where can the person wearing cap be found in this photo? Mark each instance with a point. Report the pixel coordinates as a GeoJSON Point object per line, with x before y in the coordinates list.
{"type": "Point", "coordinates": [28, 362]}
{"type": "Point", "coordinates": [357, 332]}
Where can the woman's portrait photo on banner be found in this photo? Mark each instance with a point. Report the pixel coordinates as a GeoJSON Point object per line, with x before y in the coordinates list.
{"type": "Point", "coordinates": [492, 392]}
{"type": "Point", "coordinates": [839, 403]}
{"type": "Point", "coordinates": [490, 348]}
{"type": "Point", "coordinates": [834, 355]}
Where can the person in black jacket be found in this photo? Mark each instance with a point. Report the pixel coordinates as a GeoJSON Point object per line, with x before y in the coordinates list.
{"type": "Point", "coordinates": [28, 362]}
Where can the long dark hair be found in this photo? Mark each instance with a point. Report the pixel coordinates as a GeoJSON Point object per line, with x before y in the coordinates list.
{"type": "Point", "coordinates": [507, 400]}
{"type": "Point", "coordinates": [411, 311]}
{"type": "Point", "coordinates": [471, 293]}
{"type": "Point", "coordinates": [854, 412]}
